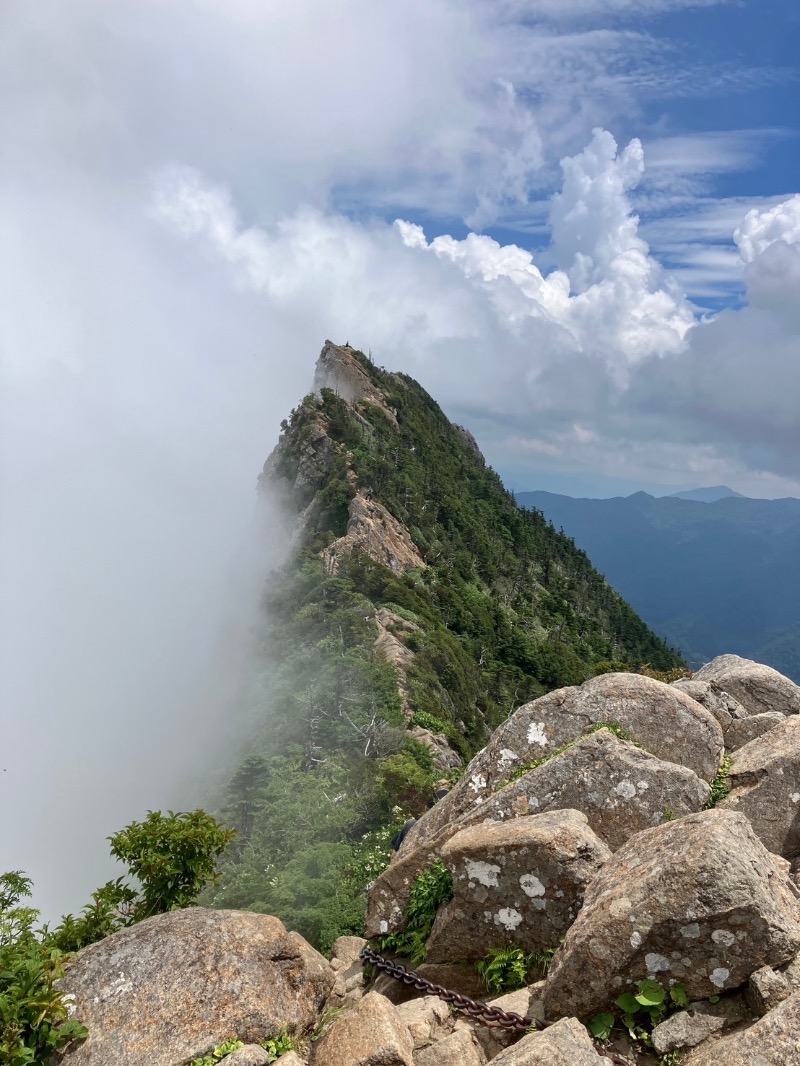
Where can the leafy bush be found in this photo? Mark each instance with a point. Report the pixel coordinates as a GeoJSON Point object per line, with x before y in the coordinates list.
{"type": "Point", "coordinates": [172, 857]}
{"type": "Point", "coordinates": [720, 785]}
{"type": "Point", "coordinates": [34, 1019]}
{"type": "Point", "coordinates": [641, 1011]}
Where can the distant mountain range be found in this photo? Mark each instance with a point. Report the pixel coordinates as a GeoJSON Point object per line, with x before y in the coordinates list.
{"type": "Point", "coordinates": [710, 570]}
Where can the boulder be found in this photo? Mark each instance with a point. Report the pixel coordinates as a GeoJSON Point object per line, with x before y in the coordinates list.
{"type": "Point", "coordinates": [425, 1018]}
{"type": "Point", "coordinates": [765, 786]}
{"type": "Point", "coordinates": [567, 1043]}
{"type": "Point", "coordinates": [457, 1049]}
{"type": "Point", "coordinates": [348, 971]}
{"type": "Point", "coordinates": [718, 702]}
{"type": "Point", "coordinates": [744, 730]}
{"type": "Point", "coordinates": [660, 718]}
{"type": "Point", "coordinates": [766, 989]}
{"type": "Point", "coordinates": [757, 687]}
{"type": "Point", "coordinates": [519, 882]}
{"type": "Point", "coordinates": [699, 901]}
{"type": "Point", "coordinates": [371, 1034]}
{"type": "Point", "coordinates": [176, 985]}
{"type": "Point", "coordinates": [772, 1041]}
{"type": "Point", "coordinates": [685, 1029]}
{"type": "Point", "coordinates": [620, 788]}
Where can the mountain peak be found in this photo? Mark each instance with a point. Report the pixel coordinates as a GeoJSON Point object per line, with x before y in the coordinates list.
{"type": "Point", "coordinates": [707, 495]}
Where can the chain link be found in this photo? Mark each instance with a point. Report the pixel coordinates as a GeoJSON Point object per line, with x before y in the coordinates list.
{"type": "Point", "coordinates": [482, 1012]}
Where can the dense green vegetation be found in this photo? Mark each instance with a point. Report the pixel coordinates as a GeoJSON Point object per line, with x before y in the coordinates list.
{"type": "Point", "coordinates": [504, 609]}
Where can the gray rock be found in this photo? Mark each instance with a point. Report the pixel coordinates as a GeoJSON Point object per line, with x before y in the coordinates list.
{"type": "Point", "coordinates": [345, 952]}
{"type": "Point", "coordinates": [567, 1043]}
{"type": "Point", "coordinates": [744, 730]}
{"type": "Point", "coordinates": [348, 985]}
{"type": "Point", "coordinates": [772, 1041]}
{"type": "Point", "coordinates": [685, 1029]}
{"type": "Point", "coordinates": [720, 703]}
{"type": "Point", "coordinates": [457, 1049]}
{"type": "Point", "coordinates": [174, 986]}
{"type": "Point", "coordinates": [620, 788]}
{"type": "Point", "coordinates": [765, 786]}
{"type": "Point", "coordinates": [249, 1055]}
{"type": "Point", "coordinates": [757, 687]}
{"type": "Point", "coordinates": [519, 882]}
{"type": "Point", "coordinates": [660, 718]}
{"type": "Point", "coordinates": [493, 1039]}
{"type": "Point", "coordinates": [698, 901]}
{"type": "Point", "coordinates": [766, 989]}
{"type": "Point", "coordinates": [425, 1018]}
{"type": "Point", "coordinates": [371, 1034]}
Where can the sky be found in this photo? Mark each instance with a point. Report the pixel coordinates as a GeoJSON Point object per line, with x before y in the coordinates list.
{"type": "Point", "coordinates": [575, 222]}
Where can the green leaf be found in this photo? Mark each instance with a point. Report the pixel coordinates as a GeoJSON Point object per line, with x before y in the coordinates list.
{"type": "Point", "coordinates": [627, 1002]}
{"type": "Point", "coordinates": [679, 995]}
{"type": "Point", "coordinates": [650, 993]}
{"type": "Point", "coordinates": [601, 1025]}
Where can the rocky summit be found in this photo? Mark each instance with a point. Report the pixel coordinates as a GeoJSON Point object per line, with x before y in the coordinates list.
{"type": "Point", "coordinates": [596, 843]}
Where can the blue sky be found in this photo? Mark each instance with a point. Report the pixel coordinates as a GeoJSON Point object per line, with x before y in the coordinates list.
{"type": "Point", "coordinates": [576, 222]}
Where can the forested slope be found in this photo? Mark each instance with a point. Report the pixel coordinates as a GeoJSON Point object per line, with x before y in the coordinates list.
{"type": "Point", "coordinates": [419, 606]}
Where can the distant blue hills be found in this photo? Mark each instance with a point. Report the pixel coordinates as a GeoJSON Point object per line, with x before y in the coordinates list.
{"type": "Point", "coordinates": [710, 570]}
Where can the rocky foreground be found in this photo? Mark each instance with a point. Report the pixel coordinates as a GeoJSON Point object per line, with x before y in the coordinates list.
{"type": "Point", "coordinates": [634, 831]}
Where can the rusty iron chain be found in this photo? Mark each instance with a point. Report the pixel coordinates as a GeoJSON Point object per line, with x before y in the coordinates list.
{"type": "Point", "coordinates": [482, 1012]}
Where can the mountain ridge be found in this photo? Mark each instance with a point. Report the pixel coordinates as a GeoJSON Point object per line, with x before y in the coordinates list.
{"type": "Point", "coordinates": [710, 576]}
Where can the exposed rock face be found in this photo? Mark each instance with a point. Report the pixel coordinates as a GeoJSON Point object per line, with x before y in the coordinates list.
{"type": "Point", "coordinates": [685, 1029]}
{"type": "Point", "coordinates": [375, 531]}
{"type": "Point", "coordinates": [720, 703]}
{"type": "Point", "coordinates": [521, 882]}
{"type": "Point", "coordinates": [349, 973]}
{"type": "Point", "coordinates": [371, 1034]}
{"type": "Point", "coordinates": [744, 730]}
{"type": "Point", "coordinates": [458, 1049]}
{"type": "Point", "coordinates": [566, 1043]}
{"type": "Point", "coordinates": [766, 989]}
{"type": "Point", "coordinates": [699, 901]}
{"type": "Point", "coordinates": [662, 719]}
{"type": "Point", "coordinates": [757, 687]}
{"type": "Point", "coordinates": [765, 780]}
{"type": "Point", "coordinates": [425, 1018]}
{"type": "Point", "coordinates": [338, 369]}
{"type": "Point", "coordinates": [172, 987]}
{"type": "Point", "coordinates": [390, 645]}
{"type": "Point", "coordinates": [620, 788]}
{"type": "Point", "coordinates": [773, 1041]}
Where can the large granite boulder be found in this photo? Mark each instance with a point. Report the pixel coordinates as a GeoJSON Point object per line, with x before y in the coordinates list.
{"type": "Point", "coordinates": [744, 730]}
{"type": "Point", "coordinates": [699, 901]}
{"type": "Point", "coordinates": [660, 718]}
{"type": "Point", "coordinates": [718, 702]}
{"type": "Point", "coordinates": [519, 882]}
{"type": "Point", "coordinates": [174, 986]}
{"type": "Point", "coordinates": [371, 1034]}
{"type": "Point", "coordinates": [774, 1040]}
{"type": "Point", "coordinates": [566, 1043]}
{"type": "Point", "coordinates": [757, 687]}
{"type": "Point", "coordinates": [620, 788]}
{"type": "Point", "coordinates": [765, 786]}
